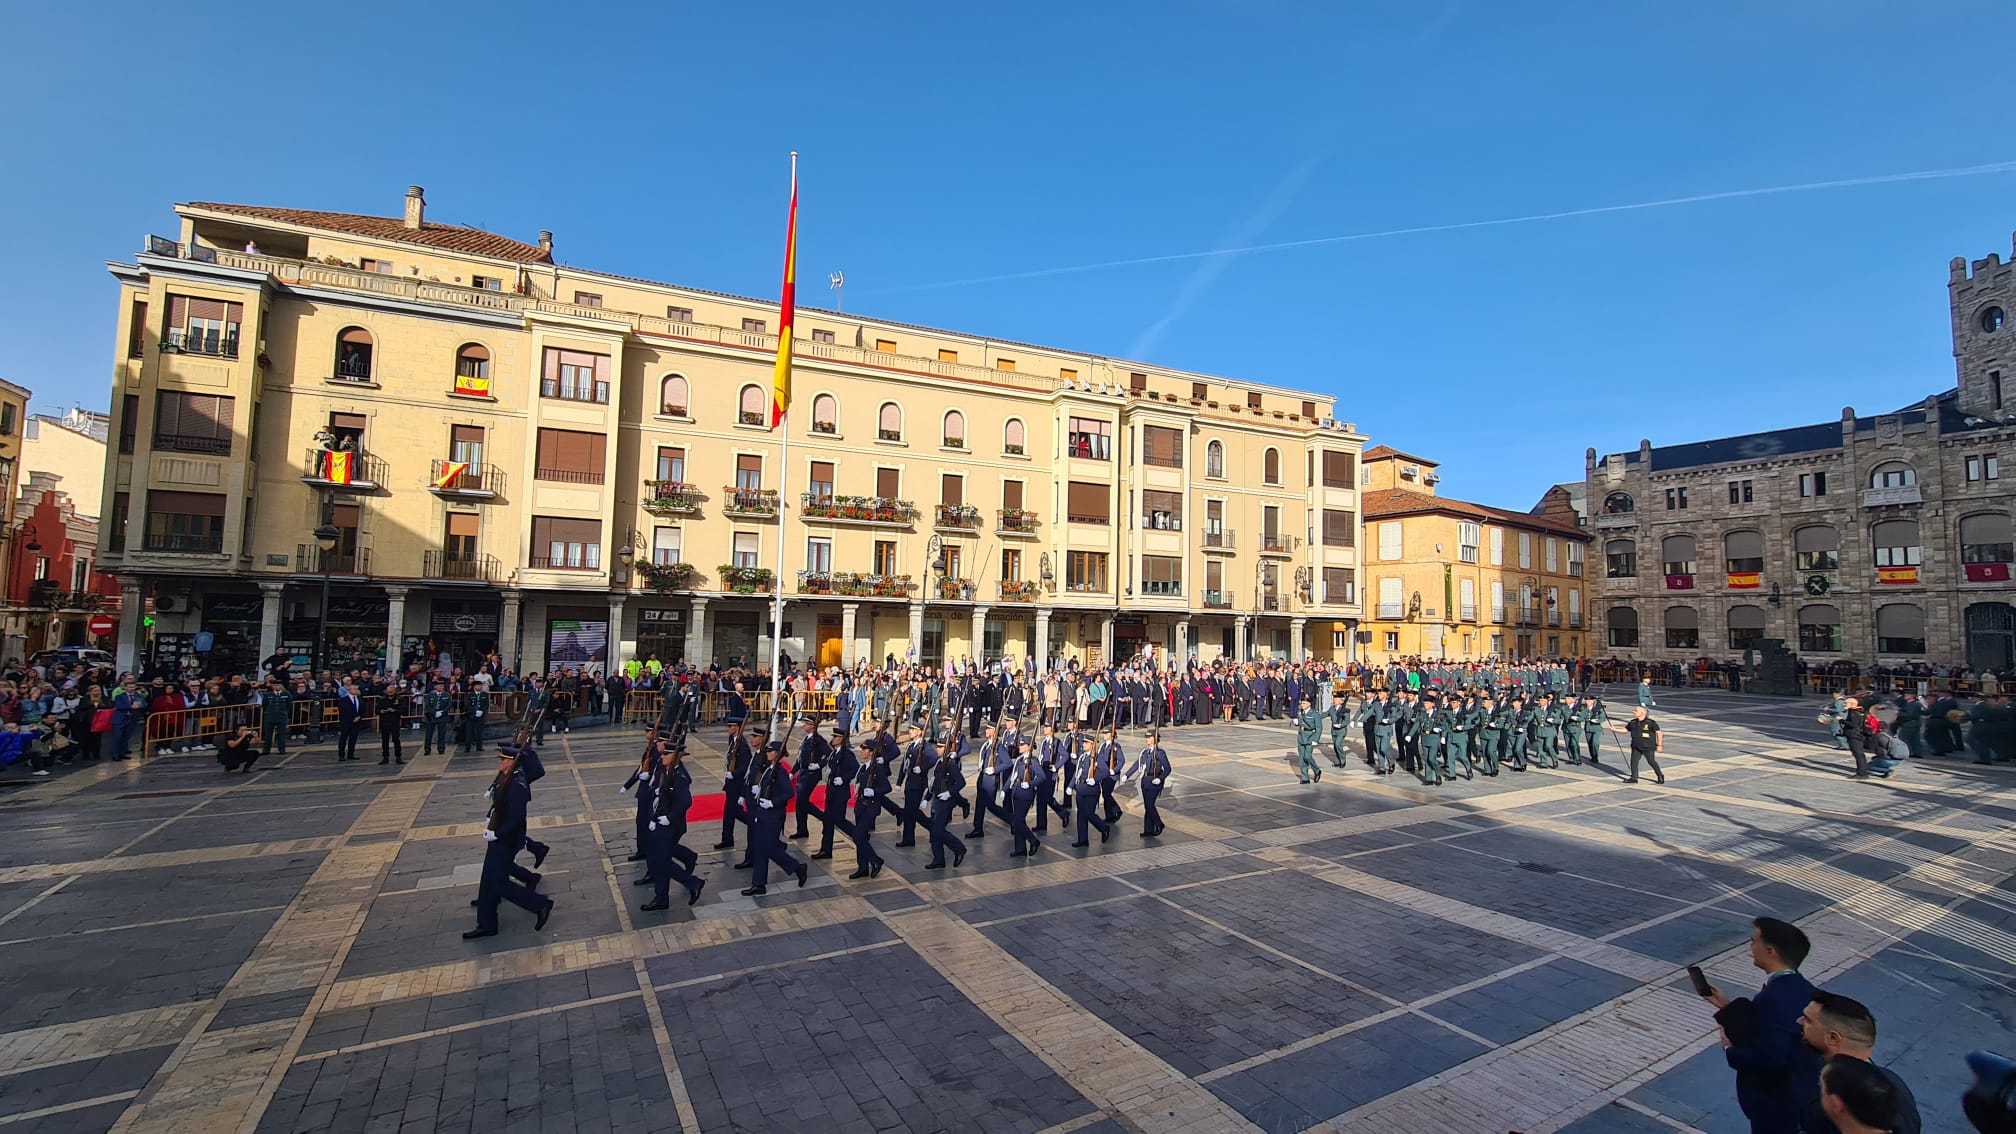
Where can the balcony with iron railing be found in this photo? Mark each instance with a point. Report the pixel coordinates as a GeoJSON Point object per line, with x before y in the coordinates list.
{"type": "Point", "coordinates": [1218, 600]}
{"type": "Point", "coordinates": [440, 564]}
{"type": "Point", "coordinates": [1498, 615]}
{"type": "Point", "coordinates": [577, 558]}
{"type": "Point", "coordinates": [1015, 522]}
{"type": "Point", "coordinates": [1219, 540]}
{"type": "Point", "coordinates": [1019, 590]}
{"type": "Point", "coordinates": [1270, 603]}
{"type": "Point", "coordinates": [957, 517]}
{"type": "Point", "coordinates": [469, 480]}
{"type": "Point", "coordinates": [745, 580]}
{"type": "Point", "coordinates": [857, 585]}
{"type": "Point", "coordinates": [663, 577]}
{"type": "Point", "coordinates": [869, 511]}
{"type": "Point", "coordinates": [341, 468]}
{"type": "Point", "coordinates": [568, 476]}
{"type": "Point", "coordinates": [208, 444]}
{"type": "Point", "coordinates": [1554, 618]}
{"type": "Point", "coordinates": [670, 497]}
{"type": "Point", "coordinates": [311, 560]}
{"type": "Point", "coordinates": [956, 590]}
{"type": "Point", "coordinates": [210, 342]}
{"type": "Point", "coordinates": [815, 582]}
{"type": "Point", "coordinates": [755, 503]}
{"type": "Point", "coordinates": [46, 594]}
{"type": "Point", "coordinates": [1574, 620]}
{"type": "Point", "coordinates": [183, 543]}
{"type": "Point", "coordinates": [1271, 544]}
{"type": "Point", "coordinates": [1161, 522]}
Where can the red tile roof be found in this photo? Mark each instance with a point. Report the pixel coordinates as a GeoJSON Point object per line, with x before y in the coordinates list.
{"type": "Point", "coordinates": [1382, 503]}
{"type": "Point", "coordinates": [452, 238]}
{"type": "Point", "coordinates": [1381, 452]}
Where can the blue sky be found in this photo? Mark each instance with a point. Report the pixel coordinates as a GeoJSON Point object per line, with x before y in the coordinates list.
{"type": "Point", "coordinates": [943, 143]}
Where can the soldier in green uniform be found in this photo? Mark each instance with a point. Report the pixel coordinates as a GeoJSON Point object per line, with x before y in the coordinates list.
{"type": "Point", "coordinates": [1546, 731]}
{"type": "Point", "coordinates": [434, 710]}
{"type": "Point", "coordinates": [1520, 719]}
{"type": "Point", "coordinates": [1571, 727]}
{"type": "Point", "coordinates": [1593, 720]}
{"type": "Point", "coordinates": [1340, 720]}
{"type": "Point", "coordinates": [475, 714]}
{"type": "Point", "coordinates": [1308, 733]}
{"type": "Point", "coordinates": [1464, 718]}
{"type": "Point", "coordinates": [1490, 733]}
{"type": "Point", "coordinates": [1378, 716]}
{"type": "Point", "coordinates": [1431, 729]}
{"type": "Point", "coordinates": [276, 714]}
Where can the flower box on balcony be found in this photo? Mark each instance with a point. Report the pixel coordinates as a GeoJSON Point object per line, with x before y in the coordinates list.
{"type": "Point", "coordinates": [955, 442]}
{"type": "Point", "coordinates": [1017, 520]}
{"type": "Point", "coordinates": [664, 577]}
{"type": "Point", "coordinates": [960, 590]}
{"type": "Point", "coordinates": [745, 580]}
{"type": "Point", "coordinates": [1012, 449]}
{"type": "Point", "coordinates": [750, 417]}
{"type": "Point", "coordinates": [815, 582]}
{"type": "Point", "coordinates": [889, 435]}
{"type": "Point", "coordinates": [1018, 590]}
{"type": "Point", "coordinates": [958, 516]}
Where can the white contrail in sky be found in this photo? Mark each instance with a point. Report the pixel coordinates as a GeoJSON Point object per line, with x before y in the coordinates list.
{"type": "Point", "coordinates": [1312, 242]}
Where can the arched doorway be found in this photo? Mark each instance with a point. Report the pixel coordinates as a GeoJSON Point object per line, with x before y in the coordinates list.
{"type": "Point", "coordinates": [1991, 636]}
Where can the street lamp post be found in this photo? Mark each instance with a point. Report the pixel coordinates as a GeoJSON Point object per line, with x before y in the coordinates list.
{"type": "Point", "coordinates": [326, 538]}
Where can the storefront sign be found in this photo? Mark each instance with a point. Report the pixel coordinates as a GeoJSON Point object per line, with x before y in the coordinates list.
{"type": "Point", "coordinates": [359, 610]}
{"type": "Point", "coordinates": [654, 616]}
{"type": "Point", "coordinates": [233, 608]}
{"type": "Point", "coordinates": [463, 622]}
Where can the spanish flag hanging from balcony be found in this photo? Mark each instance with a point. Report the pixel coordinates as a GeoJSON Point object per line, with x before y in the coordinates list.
{"type": "Point", "coordinates": [449, 471]}
{"type": "Point", "coordinates": [1897, 574]}
{"type": "Point", "coordinates": [337, 467]}
{"type": "Point", "coordinates": [780, 394]}
{"type": "Point", "coordinates": [472, 384]}
{"type": "Point", "coordinates": [1745, 580]}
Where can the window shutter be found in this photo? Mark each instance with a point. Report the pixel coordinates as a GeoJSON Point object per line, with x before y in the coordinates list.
{"type": "Point", "coordinates": [185, 503]}
{"type": "Point", "coordinates": [887, 483]}
{"type": "Point", "coordinates": [952, 489]}
{"type": "Point", "coordinates": [1089, 501]}
{"type": "Point", "coordinates": [464, 524]}
{"type": "Point", "coordinates": [168, 414]}
{"type": "Point", "coordinates": [1011, 494]}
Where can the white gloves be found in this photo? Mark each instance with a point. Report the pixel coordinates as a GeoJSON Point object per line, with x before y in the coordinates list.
{"type": "Point", "coordinates": [489, 836]}
{"type": "Point", "coordinates": [944, 795]}
{"type": "Point", "coordinates": [765, 804]}
{"type": "Point", "coordinates": [479, 712]}
{"type": "Point", "coordinates": [1157, 783]}
{"type": "Point", "coordinates": [867, 793]}
{"type": "Point", "coordinates": [440, 712]}
{"type": "Point", "coordinates": [622, 791]}
{"type": "Point", "coordinates": [833, 779]}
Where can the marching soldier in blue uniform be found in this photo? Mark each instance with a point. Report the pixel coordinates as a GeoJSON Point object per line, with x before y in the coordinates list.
{"type": "Point", "coordinates": [810, 772]}
{"type": "Point", "coordinates": [1085, 782]}
{"type": "Point", "coordinates": [670, 791]}
{"type": "Point", "coordinates": [840, 769]}
{"type": "Point", "coordinates": [736, 785]}
{"type": "Point", "coordinates": [995, 757]}
{"type": "Point", "coordinates": [647, 766]}
{"type": "Point", "coordinates": [503, 833]}
{"type": "Point", "coordinates": [1054, 752]}
{"type": "Point", "coordinates": [947, 781]}
{"type": "Point", "coordinates": [1111, 760]}
{"type": "Point", "coordinates": [1153, 767]}
{"type": "Point", "coordinates": [914, 776]}
{"type": "Point", "coordinates": [1027, 782]}
{"type": "Point", "coordinates": [872, 780]}
{"type": "Point", "coordinates": [767, 795]}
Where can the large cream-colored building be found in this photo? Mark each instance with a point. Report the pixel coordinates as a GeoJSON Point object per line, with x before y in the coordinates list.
{"type": "Point", "coordinates": [950, 495]}
{"type": "Point", "coordinates": [1466, 582]}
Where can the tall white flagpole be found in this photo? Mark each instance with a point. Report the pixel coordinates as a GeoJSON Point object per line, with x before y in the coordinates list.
{"type": "Point", "coordinates": [777, 685]}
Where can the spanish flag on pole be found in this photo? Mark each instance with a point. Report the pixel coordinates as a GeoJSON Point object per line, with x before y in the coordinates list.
{"type": "Point", "coordinates": [780, 394]}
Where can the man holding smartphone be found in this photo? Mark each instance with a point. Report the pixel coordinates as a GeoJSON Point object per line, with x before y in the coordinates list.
{"type": "Point", "coordinates": [1763, 1036]}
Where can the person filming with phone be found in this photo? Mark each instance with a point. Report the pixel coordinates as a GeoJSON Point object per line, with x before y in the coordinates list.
{"type": "Point", "coordinates": [1762, 1035]}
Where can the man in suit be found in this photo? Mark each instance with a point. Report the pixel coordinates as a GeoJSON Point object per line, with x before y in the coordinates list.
{"type": "Point", "coordinates": [1840, 1028]}
{"type": "Point", "coordinates": [1762, 1035]}
{"type": "Point", "coordinates": [349, 721]}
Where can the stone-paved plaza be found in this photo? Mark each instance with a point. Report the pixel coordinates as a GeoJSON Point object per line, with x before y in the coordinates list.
{"type": "Point", "coordinates": [188, 951]}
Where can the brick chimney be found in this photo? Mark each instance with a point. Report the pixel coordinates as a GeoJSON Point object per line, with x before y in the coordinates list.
{"type": "Point", "coordinates": [546, 242]}
{"type": "Point", "coordinates": [416, 207]}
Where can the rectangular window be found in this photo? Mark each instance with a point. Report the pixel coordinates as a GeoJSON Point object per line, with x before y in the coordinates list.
{"type": "Point", "coordinates": [465, 445]}
{"type": "Point", "coordinates": [203, 326]}
{"type": "Point", "coordinates": [1011, 495]}
{"type": "Point", "coordinates": [819, 554]}
{"type": "Point", "coordinates": [1340, 584]}
{"type": "Point", "coordinates": [1087, 503]}
{"type": "Point", "coordinates": [1089, 439]}
{"type": "Point", "coordinates": [136, 330]}
{"type": "Point", "coordinates": [1004, 364]}
{"type": "Point", "coordinates": [1309, 409]}
{"type": "Point", "coordinates": [1740, 492]}
{"type": "Point", "coordinates": [888, 483]}
{"type": "Point", "coordinates": [1676, 499]}
{"type": "Point", "coordinates": [1497, 547]}
{"type": "Point", "coordinates": [1466, 541]}
{"type": "Point", "coordinates": [1575, 552]}
{"type": "Point", "coordinates": [1199, 391]}
{"type": "Point", "coordinates": [1392, 640]}
{"type": "Point", "coordinates": [756, 326]}
{"type": "Point", "coordinates": [1085, 571]}
{"type": "Point", "coordinates": [1340, 528]}
{"type": "Point", "coordinates": [1270, 529]}
{"type": "Point", "coordinates": [1987, 467]}
{"type": "Point", "coordinates": [1161, 511]}
{"type": "Point", "coordinates": [820, 335]}
{"type": "Point", "coordinates": [748, 549]}
{"type": "Point", "coordinates": [1161, 575]}
{"type": "Point", "coordinates": [748, 472]}
{"type": "Point", "coordinates": [665, 546]}
{"type": "Point", "coordinates": [185, 521]}
{"type": "Point", "coordinates": [671, 464]}
{"type": "Point", "coordinates": [1340, 470]}
{"type": "Point", "coordinates": [951, 489]}
{"type": "Point", "coordinates": [575, 376]}
{"type": "Point", "coordinates": [193, 423]}
{"type": "Point", "coordinates": [1622, 561]}
{"type": "Point", "coordinates": [1552, 554]}
{"type": "Point", "coordinates": [1525, 551]}
{"type": "Point", "coordinates": [1389, 540]}
{"type": "Point", "coordinates": [1497, 600]}
{"type": "Point", "coordinates": [885, 557]}
{"type": "Point", "coordinates": [1813, 484]}
{"type": "Point", "coordinates": [486, 283]}
{"type": "Point", "coordinates": [587, 299]}
{"type": "Point", "coordinates": [129, 422]}
{"type": "Point", "coordinates": [459, 541]}
{"type": "Point", "coordinates": [382, 267]}
{"type": "Point", "coordinates": [679, 314]}
{"type": "Point", "coordinates": [115, 536]}
{"type": "Point", "coordinates": [1252, 400]}
{"type": "Point", "coordinates": [1067, 374]}
{"type": "Point", "coordinates": [886, 346]}
{"type": "Point", "coordinates": [1137, 382]}
{"type": "Point", "coordinates": [944, 355]}
{"type": "Point", "coordinates": [1899, 556]}
{"type": "Point", "coordinates": [559, 543]}
{"type": "Point", "coordinates": [820, 482]}
{"type": "Point", "coordinates": [1162, 446]}
{"type": "Point", "coordinates": [570, 456]}
{"type": "Point", "coordinates": [1011, 564]}
{"type": "Point", "coordinates": [1392, 598]}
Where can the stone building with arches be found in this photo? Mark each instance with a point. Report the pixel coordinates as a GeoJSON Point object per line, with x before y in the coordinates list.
{"type": "Point", "coordinates": [1880, 538]}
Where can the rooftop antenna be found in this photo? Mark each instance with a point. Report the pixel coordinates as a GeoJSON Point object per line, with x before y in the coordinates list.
{"type": "Point", "coordinates": [836, 282]}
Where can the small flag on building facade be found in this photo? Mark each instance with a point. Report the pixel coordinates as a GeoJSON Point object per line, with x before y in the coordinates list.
{"type": "Point", "coordinates": [449, 471]}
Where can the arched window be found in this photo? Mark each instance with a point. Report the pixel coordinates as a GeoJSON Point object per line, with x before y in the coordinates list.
{"type": "Point", "coordinates": [1743, 553]}
{"type": "Point", "coordinates": [1676, 553]}
{"type": "Point", "coordinates": [1896, 474]}
{"type": "Point", "coordinates": [1623, 624]}
{"type": "Point", "coordinates": [1618, 504]}
{"type": "Point", "coordinates": [1621, 559]}
{"type": "Point", "coordinates": [751, 409]}
{"type": "Point", "coordinates": [1270, 467]}
{"type": "Point", "coordinates": [1986, 539]}
{"type": "Point", "coordinates": [825, 414]}
{"type": "Point", "coordinates": [954, 435]}
{"type": "Point", "coordinates": [1896, 543]}
{"type": "Point", "coordinates": [472, 370]}
{"type": "Point", "coordinates": [1214, 459]}
{"type": "Point", "coordinates": [1816, 547]}
{"type": "Point", "coordinates": [1746, 626]}
{"type": "Point", "coordinates": [672, 396]}
{"type": "Point", "coordinates": [1900, 628]}
{"type": "Point", "coordinates": [1683, 628]}
{"type": "Point", "coordinates": [889, 422]}
{"type": "Point", "coordinates": [353, 355]}
{"type": "Point", "coordinates": [1820, 629]}
{"type": "Point", "coordinates": [1014, 438]}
